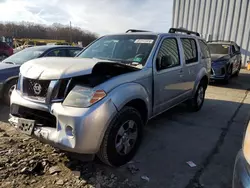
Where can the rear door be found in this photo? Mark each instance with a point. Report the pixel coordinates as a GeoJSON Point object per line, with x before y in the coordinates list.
{"type": "Point", "coordinates": [168, 79]}
{"type": "Point", "coordinates": [192, 65]}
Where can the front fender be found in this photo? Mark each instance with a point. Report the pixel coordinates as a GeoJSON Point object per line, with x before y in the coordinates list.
{"type": "Point", "coordinates": [203, 72]}
{"type": "Point", "coordinates": [127, 92]}
{"type": "Point", "coordinates": [11, 78]}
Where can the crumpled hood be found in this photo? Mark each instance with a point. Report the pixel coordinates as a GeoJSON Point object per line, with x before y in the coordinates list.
{"type": "Point", "coordinates": [219, 57]}
{"type": "Point", "coordinates": [52, 68]}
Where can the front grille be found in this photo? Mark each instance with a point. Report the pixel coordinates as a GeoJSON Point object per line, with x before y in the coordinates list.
{"type": "Point", "coordinates": [219, 71]}
{"type": "Point", "coordinates": [42, 118]}
{"type": "Point", "coordinates": [35, 88]}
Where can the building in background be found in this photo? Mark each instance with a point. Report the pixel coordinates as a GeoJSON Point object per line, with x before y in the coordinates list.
{"type": "Point", "coordinates": [216, 20]}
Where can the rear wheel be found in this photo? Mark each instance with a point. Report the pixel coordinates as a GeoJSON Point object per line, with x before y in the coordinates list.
{"type": "Point", "coordinates": [196, 103]}
{"type": "Point", "coordinates": [122, 138]}
{"type": "Point", "coordinates": [9, 87]}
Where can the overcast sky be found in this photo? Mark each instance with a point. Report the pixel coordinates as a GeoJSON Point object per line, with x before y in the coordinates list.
{"type": "Point", "coordinates": [99, 16]}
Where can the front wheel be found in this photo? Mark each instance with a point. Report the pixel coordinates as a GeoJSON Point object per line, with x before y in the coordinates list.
{"type": "Point", "coordinates": [10, 86]}
{"type": "Point", "coordinates": [122, 138]}
{"type": "Point", "coordinates": [228, 75]}
{"type": "Point", "coordinates": [196, 103]}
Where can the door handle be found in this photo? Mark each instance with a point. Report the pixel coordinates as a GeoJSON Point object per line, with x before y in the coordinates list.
{"type": "Point", "coordinates": [180, 73]}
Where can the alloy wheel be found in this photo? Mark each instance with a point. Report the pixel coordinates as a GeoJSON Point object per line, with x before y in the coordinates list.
{"type": "Point", "coordinates": [200, 96]}
{"type": "Point", "coordinates": [126, 137]}
{"type": "Point", "coordinates": [11, 90]}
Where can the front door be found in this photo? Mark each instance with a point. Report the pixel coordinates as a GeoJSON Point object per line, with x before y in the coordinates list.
{"type": "Point", "coordinates": [169, 82]}
{"type": "Point", "coordinates": [236, 58]}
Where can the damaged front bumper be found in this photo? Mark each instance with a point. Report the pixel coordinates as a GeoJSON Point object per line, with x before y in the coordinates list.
{"type": "Point", "coordinates": [218, 73]}
{"type": "Point", "coordinates": [78, 130]}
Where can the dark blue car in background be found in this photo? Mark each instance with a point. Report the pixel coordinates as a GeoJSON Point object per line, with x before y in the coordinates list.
{"type": "Point", "coordinates": [9, 67]}
{"type": "Point", "coordinates": [226, 60]}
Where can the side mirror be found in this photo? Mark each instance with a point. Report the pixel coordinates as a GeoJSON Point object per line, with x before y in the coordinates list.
{"type": "Point", "coordinates": [163, 62]}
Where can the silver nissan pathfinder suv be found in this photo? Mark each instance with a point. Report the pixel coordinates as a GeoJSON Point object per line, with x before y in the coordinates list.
{"type": "Point", "coordinates": [99, 102]}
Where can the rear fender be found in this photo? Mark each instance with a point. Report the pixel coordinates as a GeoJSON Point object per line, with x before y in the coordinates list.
{"type": "Point", "coordinates": [203, 72]}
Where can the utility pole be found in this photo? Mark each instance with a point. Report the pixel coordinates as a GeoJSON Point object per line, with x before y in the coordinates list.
{"type": "Point", "coordinates": [70, 33]}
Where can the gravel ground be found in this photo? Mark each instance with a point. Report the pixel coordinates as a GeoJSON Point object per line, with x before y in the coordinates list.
{"type": "Point", "coordinates": [25, 162]}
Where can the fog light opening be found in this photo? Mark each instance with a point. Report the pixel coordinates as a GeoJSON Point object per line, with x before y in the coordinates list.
{"type": "Point", "coordinates": [69, 130]}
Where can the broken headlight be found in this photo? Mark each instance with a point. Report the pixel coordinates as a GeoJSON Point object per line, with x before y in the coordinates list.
{"type": "Point", "coordinates": [83, 97]}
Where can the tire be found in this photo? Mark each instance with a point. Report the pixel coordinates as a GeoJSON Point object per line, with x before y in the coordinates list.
{"type": "Point", "coordinates": [196, 103]}
{"type": "Point", "coordinates": [9, 87]}
{"type": "Point", "coordinates": [228, 75]}
{"type": "Point", "coordinates": [112, 150]}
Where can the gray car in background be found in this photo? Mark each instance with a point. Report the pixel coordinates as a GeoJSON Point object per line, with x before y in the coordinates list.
{"type": "Point", "coordinates": [9, 67]}
{"type": "Point", "coordinates": [99, 102]}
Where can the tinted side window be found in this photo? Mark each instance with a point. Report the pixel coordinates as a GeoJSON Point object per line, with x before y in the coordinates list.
{"type": "Point", "coordinates": [190, 50]}
{"type": "Point", "coordinates": [6, 45]}
{"type": "Point", "coordinates": [169, 53]}
{"type": "Point", "coordinates": [73, 52]}
{"type": "Point", "coordinates": [204, 49]}
{"type": "Point", "coordinates": [237, 48]}
{"type": "Point", "coordinates": [57, 53]}
{"type": "Point", "coordinates": [233, 49]}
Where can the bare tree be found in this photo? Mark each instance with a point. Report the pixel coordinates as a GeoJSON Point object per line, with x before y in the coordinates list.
{"type": "Point", "coordinates": [56, 31]}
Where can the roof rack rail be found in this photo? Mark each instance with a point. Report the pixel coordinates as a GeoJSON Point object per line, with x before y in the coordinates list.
{"type": "Point", "coordinates": [174, 30]}
{"type": "Point", "coordinates": [135, 30]}
{"type": "Point", "coordinates": [221, 41]}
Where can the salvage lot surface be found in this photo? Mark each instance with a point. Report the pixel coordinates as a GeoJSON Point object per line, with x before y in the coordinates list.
{"type": "Point", "coordinates": [210, 138]}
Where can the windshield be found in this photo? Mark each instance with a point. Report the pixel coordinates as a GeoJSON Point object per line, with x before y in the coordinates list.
{"type": "Point", "coordinates": [219, 48]}
{"type": "Point", "coordinates": [24, 55]}
{"type": "Point", "coordinates": [128, 49]}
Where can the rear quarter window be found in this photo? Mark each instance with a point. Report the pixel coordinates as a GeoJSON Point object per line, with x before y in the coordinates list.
{"type": "Point", "coordinates": [190, 50]}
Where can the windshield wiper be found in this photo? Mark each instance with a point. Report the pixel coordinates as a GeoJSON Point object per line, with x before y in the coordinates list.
{"type": "Point", "coordinates": [8, 62]}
